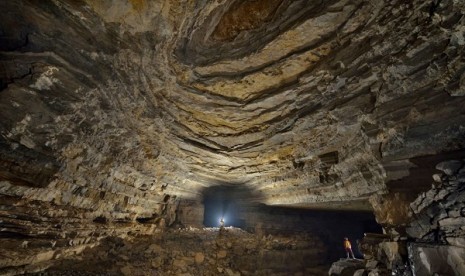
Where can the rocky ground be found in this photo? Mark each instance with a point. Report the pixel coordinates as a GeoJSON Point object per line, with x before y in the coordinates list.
{"type": "Point", "coordinates": [194, 251]}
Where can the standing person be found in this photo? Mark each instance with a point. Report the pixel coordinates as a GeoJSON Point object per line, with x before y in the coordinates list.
{"type": "Point", "coordinates": [348, 248]}
{"type": "Point", "coordinates": [221, 223]}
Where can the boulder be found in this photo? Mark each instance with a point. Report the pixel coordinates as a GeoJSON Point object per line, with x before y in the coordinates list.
{"type": "Point", "coordinates": [437, 177]}
{"type": "Point", "coordinates": [154, 248]}
{"type": "Point", "coordinates": [221, 254]}
{"type": "Point", "coordinates": [157, 262]}
{"type": "Point", "coordinates": [379, 272]}
{"type": "Point", "coordinates": [393, 253]}
{"type": "Point", "coordinates": [429, 259]}
{"type": "Point", "coordinates": [452, 222]}
{"type": "Point", "coordinates": [346, 267]}
{"type": "Point", "coordinates": [361, 272]}
{"type": "Point", "coordinates": [179, 263]}
{"type": "Point", "coordinates": [371, 264]}
{"type": "Point", "coordinates": [199, 257]}
{"type": "Point", "coordinates": [449, 167]}
{"type": "Point", "coordinates": [230, 272]}
{"type": "Point", "coordinates": [459, 242]}
{"type": "Point", "coordinates": [126, 271]}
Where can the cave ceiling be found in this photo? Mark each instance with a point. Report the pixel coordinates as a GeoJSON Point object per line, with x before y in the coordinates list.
{"type": "Point", "coordinates": [119, 105]}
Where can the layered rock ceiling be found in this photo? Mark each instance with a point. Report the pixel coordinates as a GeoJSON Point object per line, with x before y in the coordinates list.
{"type": "Point", "coordinates": [115, 110]}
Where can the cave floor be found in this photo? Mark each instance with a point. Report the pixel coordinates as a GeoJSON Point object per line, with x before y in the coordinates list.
{"type": "Point", "coordinates": [193, 251]}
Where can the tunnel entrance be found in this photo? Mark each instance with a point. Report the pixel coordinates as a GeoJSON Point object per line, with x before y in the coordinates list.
{"type": "Point", "coordinates": [227, 203]}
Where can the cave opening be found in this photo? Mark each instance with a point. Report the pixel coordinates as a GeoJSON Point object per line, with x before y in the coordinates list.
{"type": "Point", "coordinates": [225, 202]}
{"type": "Point", "coordinates": [240, 208]}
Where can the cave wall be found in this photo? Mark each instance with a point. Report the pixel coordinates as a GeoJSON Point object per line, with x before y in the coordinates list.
{"type": "Point", "coordinates": [426, 240]}
{"type": "Point", "coordinates": [438, 220]}
{"type": "Point", "coordinates": [68, 100]}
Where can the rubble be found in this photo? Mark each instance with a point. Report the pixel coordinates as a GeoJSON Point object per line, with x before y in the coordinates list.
{"type": "Point", "coordinates": [196, 252]}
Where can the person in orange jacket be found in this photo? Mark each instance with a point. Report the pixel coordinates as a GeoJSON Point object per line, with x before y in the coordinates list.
{"type": "Point", "coordinates": [348, 248]}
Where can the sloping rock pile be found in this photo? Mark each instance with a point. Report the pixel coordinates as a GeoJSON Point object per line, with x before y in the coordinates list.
{"type": "Point", "coordinates": [194, 251]}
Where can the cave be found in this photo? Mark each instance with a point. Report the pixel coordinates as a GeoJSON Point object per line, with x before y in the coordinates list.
{"type": "Point", "coordinates": [129, 128]}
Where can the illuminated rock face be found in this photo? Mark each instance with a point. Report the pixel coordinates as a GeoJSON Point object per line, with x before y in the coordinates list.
{"type": "Point", "coordinates": [113, 111]}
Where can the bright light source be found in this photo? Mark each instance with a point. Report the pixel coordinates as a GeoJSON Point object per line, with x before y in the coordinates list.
{"type": "Point", "coordinates": [222, 221]}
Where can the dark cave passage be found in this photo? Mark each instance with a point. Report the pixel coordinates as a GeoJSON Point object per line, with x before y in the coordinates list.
{"type": "Point", "coordinates": [234, 204]}
{"type": "Point", "coordinates": [227, 202]}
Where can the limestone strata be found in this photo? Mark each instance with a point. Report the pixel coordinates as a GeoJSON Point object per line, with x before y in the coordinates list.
{"type": "Point", "coordinates": [113, 111]}
{"type": "Point", "coordinates": [176, 102]}
{"type": "Point", "coordinates": [439, 214]}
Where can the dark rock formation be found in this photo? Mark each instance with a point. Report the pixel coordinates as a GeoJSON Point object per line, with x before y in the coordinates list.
{"type": "Point", "coordinates": [437, 259]}
{"type": "Point", "coordinates": [438, 214]}
{"type": "Point", "coordinates": [117, 115]}
{"type": "Point", "coordinates": [433, 241]}
{"type": "Point", "coordinates": [345, 267]}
